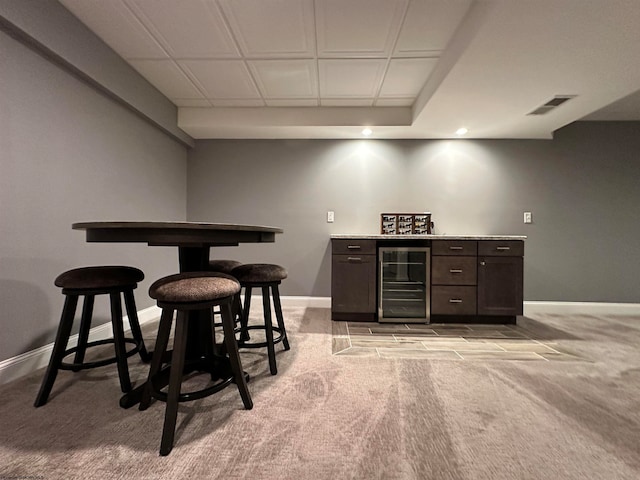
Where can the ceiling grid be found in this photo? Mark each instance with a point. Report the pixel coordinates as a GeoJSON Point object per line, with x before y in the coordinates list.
{"type": "Point", "coordinates": [325, 68]}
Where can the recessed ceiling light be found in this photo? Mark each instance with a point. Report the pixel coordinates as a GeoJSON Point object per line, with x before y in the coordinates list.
{"type": "Point", "coordinates": [367, 131]}
{"type": "Point", "coordinates": [461, 131]}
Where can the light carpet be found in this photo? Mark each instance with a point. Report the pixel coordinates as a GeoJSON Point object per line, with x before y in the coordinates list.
{"type": "Point", "coordinates": [329, 416]}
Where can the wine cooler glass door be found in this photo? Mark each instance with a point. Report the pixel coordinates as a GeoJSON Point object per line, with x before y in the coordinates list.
{"type": "Point", "coordinates": [404, 285]}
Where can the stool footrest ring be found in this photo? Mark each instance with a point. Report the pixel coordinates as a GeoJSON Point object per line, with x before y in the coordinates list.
{"type": "Point", "coordinates": [158, 394]}
{"type": "Point", "coordinates": [245, 344]}
{"type": "Point", "coordinates": [97, 363]}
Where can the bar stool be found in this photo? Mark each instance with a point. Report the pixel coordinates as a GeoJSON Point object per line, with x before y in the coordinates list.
{"type": "Point", "coordinates": [267, 277]}
{"type": "Point", "coordinates": [223, 266]}
{"type": "Point", "coordinates": [226, 266]}
{"type": "Point", "coordinates": [186, 292]}
{"type": "Point", "coordinates": [89, 282]}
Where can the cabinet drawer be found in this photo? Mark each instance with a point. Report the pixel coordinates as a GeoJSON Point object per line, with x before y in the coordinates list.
{"type": "Point", "coordinates": [362, 247]}
{"type": "Point", "coordinates": [454, 270]}
{"type": "Point", "coordinates": [500, 248]}
{"type": "Point", "coordinates": [454, 247]}
{"type": "Point", "coordinates": [455, 300]}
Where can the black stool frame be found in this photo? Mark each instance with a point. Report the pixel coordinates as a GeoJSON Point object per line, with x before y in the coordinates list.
{"type": "Point", "coordinates": [177, 364]}
{"type": "Point", "coordinates": [268, 325]}
{"type": "Point", "coordinates": [60, 350]}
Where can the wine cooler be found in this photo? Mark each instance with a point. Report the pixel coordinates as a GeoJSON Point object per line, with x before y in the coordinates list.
{"type": "Point", "coordinates": [404, 281]}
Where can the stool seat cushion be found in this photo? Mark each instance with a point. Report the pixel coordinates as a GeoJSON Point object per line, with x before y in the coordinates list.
{"type": "Point", "coordinates": [223, 266]}
{"type": "Point", "coordinates": [259, 273]}
{"type": "Point", "coordinates": [100, 277]}
{"type": "Point", "coordinates": [194, 287]}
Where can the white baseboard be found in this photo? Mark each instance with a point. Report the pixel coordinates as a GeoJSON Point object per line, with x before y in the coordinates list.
{"type": "Point", "coordinates": [581, 308]}
{"type": "Point", "coordinates": [16, 367]}
{"type": "Point", "coordinates": [311, 302]}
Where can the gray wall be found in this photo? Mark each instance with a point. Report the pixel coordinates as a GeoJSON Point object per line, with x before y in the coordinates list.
{"type": "Point", "coordinates": [64, 39]}
{"type": "Point", "coordinates": [71, 154]}
{"type": "Point", "coordinates": [582, 188]}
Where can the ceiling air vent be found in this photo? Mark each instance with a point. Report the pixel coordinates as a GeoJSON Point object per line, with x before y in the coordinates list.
{"type": "Point", "coordinates": [551, 104]}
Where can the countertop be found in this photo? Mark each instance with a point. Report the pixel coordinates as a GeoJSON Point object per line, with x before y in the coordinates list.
{"type": "Point", "coordinates": [368, 236]}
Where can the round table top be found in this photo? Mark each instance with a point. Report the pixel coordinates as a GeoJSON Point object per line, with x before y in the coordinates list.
{"type": "Point", "coordinates": [175, 226]}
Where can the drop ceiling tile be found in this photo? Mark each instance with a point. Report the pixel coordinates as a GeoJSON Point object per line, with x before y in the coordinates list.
{"type": "Point", "coordinates": [429, 26]}
{"type": "Point", "coordinates": [167, 77]}
{"type": "Point", "coordinates": [406, 76]}
{"type": "Point", "coordinates": [292, 102]}
{"type": "Point", "coordinates": [286, 78]}
{"type": "Point", "coordinates": [222, 79]}
{"type": "Point", "coordinates": [346, 102]}
{"type": "Point", "coordinates": [395, 102]}
{"type": "Point", "coordinates": [195, 30]}
{"type": "Point", "coordinates": [272, 28]}
{"type": "Point", "coordinates": [237, 102]}
{"type": "Point", "coordinates": [363, 28]}
{"type": "Point", "coordinates": [350, 78]}
{"type": "Point", "coordinates": [116, 25]}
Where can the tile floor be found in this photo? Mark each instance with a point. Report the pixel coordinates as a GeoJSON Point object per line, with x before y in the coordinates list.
{"type": "Point", "coordinates": [445, 341]}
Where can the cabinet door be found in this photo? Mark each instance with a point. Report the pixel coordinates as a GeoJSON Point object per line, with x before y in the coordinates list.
{"type": "Point", "coordinates": [500, 285]}
{"type": "Point", "coordinates": [353, 284]}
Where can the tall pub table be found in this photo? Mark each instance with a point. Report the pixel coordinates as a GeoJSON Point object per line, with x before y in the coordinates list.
{"type": "Point", "coordinates": [194, 240]}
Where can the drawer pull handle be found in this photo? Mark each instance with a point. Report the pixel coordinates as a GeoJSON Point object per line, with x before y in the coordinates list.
{"type": "Point", "coordinates": [354, 259]}
{"type": "Point", "coordinates": [483, 263]}
{"type": "Point", "coordinates": [455, 270]}
{"type": "Point", "coordinates": [503, 248]}
{"type": "Point", "coordinates": [354, 247]}
{"type": "Point", "coordinates": [455, 300]}
{"type": "Point", "coordinates": [455, 248]}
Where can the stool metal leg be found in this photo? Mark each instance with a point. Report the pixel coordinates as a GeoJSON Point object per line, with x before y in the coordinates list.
{"type": "Point", "coordinates": [175, 381]}
{"type": "Point", "coordinates": [238, 315]}
{"type": "Point", "coordinates": [266, 306]}
{"type": "Point", "coordinates": [136, 332]}
{"type": "Point", "coordinates": [278, 308]}
{"type": "Point", "coordinates": [236, 308]}
{"type": "Point", "coordinates": [85, 327]}
{"type": "Point", "coordinates": [59, 347]}
{"type": "Point", "coordinates": [118, 342]}
{"type": "Point", "coordinates": [244, 322]}
{"type": "Point", "coordinates": [228, 325]}
{"type": "Point", "coordinates": [162, 340]}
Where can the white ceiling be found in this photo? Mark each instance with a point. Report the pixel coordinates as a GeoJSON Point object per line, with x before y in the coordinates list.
{"type": "Point", "coordinates": [406, 68]}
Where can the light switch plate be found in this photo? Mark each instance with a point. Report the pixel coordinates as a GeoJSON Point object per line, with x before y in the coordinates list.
{"type": "Point", "coordinates": [527, 217]}
{"type": "Point", "coordinates": [330, 216]}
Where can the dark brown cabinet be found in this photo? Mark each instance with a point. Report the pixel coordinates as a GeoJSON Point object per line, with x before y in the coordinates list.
{"type": "Point", "coordinates": [500, 277]}
{"type": "Point", "coordinates": [453, 277]}
{"type": "Point", "coordinates": [474, 280]}
{"type": "Point", "coordinates": [353, 280]}
{"type": "Point", "coordinates": [477, 278]}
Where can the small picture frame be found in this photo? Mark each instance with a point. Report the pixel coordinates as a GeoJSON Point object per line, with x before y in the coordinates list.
{"type": "Point", "coordinates": [405, 223]}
